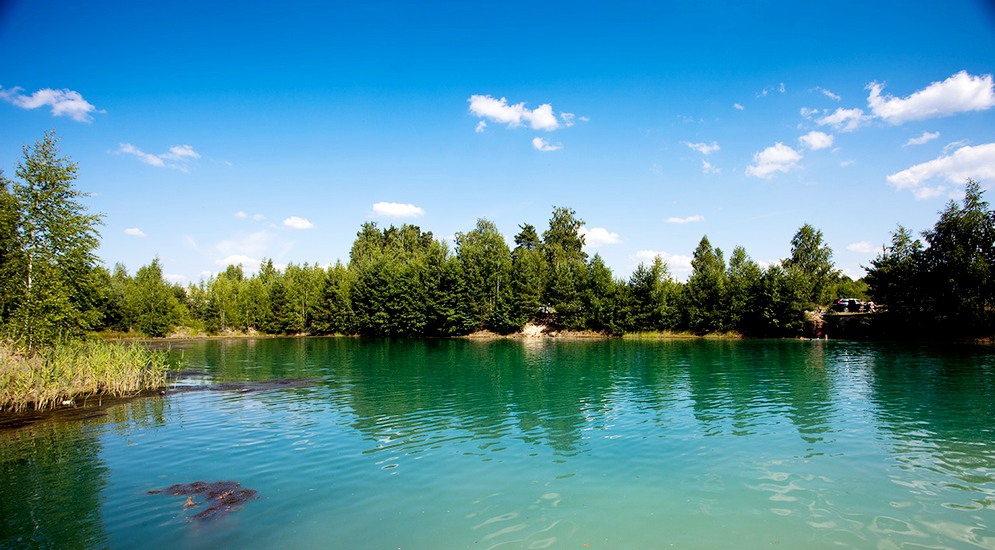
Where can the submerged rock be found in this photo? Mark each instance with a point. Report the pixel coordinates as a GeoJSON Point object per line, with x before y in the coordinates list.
{"type": "Point", "coordinates": [221, 497]}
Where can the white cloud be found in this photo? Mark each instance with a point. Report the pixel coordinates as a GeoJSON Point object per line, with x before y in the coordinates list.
{"type": "Point", "coordinates": [134, 232]}
{"type": "Point", "coordinates": [708, 168]}
{"type": "Point", "coordinates": [862, 247]}
{"type": "Point", "coordinates": [689, 219]}
{"type": "Point", "coordinates": [241, 215]}
{"type": "Point", "coordinates": [961, 92]}
{"type": "Point", "coordinates": [397, 210]}
{"type": "Point", "coordinates": [294, 222]}
{"type": "Point", "coordinates": [174, 278]}
{"type": "Point", "coordinates": [776, 158]}
{"type": "Point", "coordinates": [976, 163]}
{"type": "Point", "coordinates": [738, 106]}
{"type": "Point", "coordinates": [481, 127]}
{"type": "Point", "coordinates": [181, 152]}
{"type": "Point", "coordinates": [676, 263]}
{"type": "Point", "coordinates": [63, 102]}
{"type": "Point", "coordinates": [238, 259]}
{"type": "Point", "coordinates": [178, 155]}
{"type": "Point", "coordinates": [543, 145]}
{"type": "Point", "coordinates": [247, 247]}
{"type": "Point", "coordinates": [828, 93]}
{"type": "Point", "coordinates": [844, 120]}
{"type": "Point", "coordinates": [767, 91]}
{"type": "Point", "coordinates": [954, 145]}
{"type": "Point", "coordinates": [924, 138]}
{"type": "Point", "coordinates": [704, 148]}
{"type": "Point", "coordinates": [598, 236]}
{"type": "Point", "coordinates": [498, 110]}
{"type": "Point", "coordinates": [816, 140]}
{"type": "Point", "coordinates": [568, 119]}
{"type": "Point", "coordinates": [147, 158]}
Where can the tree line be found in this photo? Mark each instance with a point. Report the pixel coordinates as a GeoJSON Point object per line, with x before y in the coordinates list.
{"type": "Point", "coordinates": [402, 281]}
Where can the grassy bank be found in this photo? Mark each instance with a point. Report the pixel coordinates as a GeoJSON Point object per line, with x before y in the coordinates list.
{"type": "Point", "coordinates": [58, 375]}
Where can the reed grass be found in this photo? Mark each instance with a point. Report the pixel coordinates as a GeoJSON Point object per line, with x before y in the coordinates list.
{"type": "Point", "coordinates": [58, 375]}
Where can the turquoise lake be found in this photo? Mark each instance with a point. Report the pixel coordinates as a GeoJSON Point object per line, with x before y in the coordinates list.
{"type": "Point", "coordinates": [612, 444]}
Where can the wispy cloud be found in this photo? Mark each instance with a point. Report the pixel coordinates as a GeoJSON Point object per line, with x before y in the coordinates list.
{"type": "Point", "coordinates": [499, 111]}
{"type": "Point", "coordinates": [924, 138]}
{"type": "Point", "coordinates": [397, 210]}
{"type": "Point", "coordinates": [816, 140]}
{"type": "Point", "coordinates": [709, 168]}
{"type": "Point", "coordinates": [967, 162]}
{"type": "Point", "coordinates": [689, 219]}
{"type": "Point", "coordinates": [704, 148]}
{"type": "Point", "coordinates": [828, 93]}
{"type": "Point", "coordinates": [738, 106]}
{"type": "Point", "coordinates": [544, 146]}
{"type": "Point", "coordinates": [246, 249]}
{"type": "Point", "coordinates": [771, 89]}
{"type": "Point", "coordinates": [862, 247]}
{"type": "Point", "coordinates": [844, 120]}
{"type": "Point", "coordinates": [255, 217]}
{"type": "Point", "coordinates": [178, 157]}
{"type": "Point", "coordinates": [294, 222]}
{"type": "Point", "coordinates": [134, 232]}
{"type": "Point", "coordinates": [961, 92]}
{"type": "Point", "coordinates": [598, 236]}
{"type": "Point", "coordinates": [776, 158]}
{"type": "Point", "coordinates": [63, 102]}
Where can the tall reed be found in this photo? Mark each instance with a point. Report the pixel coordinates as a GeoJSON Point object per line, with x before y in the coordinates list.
{"type": "Point", "coordinates": [53, 376]}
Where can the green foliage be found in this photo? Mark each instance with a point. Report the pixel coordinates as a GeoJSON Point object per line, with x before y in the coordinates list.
{"type": "Point", "coordinates": [152, 305]}
{"type": "Point", "coordinates": [705, 294]}
{"type": "Point", "coordinates": [811, 264]}
{"type": "Point", "coordinates": [47, 263]}
{"type": "Point", "coordinates": [654, 298]}
{"type": "Point", "coordinates": [946, 286]}
{"type": "Point", "coordinates": [743, 279]}
{"type": "Point", "coordinates": [485, 262]}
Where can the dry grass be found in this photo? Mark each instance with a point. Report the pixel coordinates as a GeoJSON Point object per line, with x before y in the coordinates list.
{"type": "Point", "coordinates": [51, 377]}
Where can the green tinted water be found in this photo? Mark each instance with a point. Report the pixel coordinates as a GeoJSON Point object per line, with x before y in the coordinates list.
{"type": "Point", "coordinates": [531, 444]}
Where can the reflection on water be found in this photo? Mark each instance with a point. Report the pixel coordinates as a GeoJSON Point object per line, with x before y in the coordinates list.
{"type": "Point", "coordinates": [544, 444]}
{"type": "Point", "coordinates": [51, 476]}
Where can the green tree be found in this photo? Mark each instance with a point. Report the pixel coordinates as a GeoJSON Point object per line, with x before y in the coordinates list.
{"type": "Point", "coordinates": [811, 262]}
{"type": "Point", "coordinates": [304, 287]}
{"type": "Point", "coordinates": [705, 292]}
{"type": "Point", "coordinates": [604, 299]}
{"type": "Point", "coordinates": [782, 299]}
{"type": "Point", "coordinates": [485, 261]}
{"type": "Point", "coordinates": [895, 277]}
{"type": "Point", "coordinates": [48, 269]}
{"type": "Point", "coordinates": [654, 297]}
{"type": "Point", "coordinates": [334, 311]}
{"type": "Point", "coordinates": [151, 301]}
{"type": "Point", "coordinates": [566, 261]}
{"type": "Point", "coordinates": [958, 265]}
{"type": "Point", "coordinates": [743, 278]}
{"type": "Point", "coordinates": [528, 276]}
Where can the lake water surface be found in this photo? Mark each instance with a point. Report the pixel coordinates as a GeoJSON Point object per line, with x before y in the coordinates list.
{"type": "Point", "coordinates": [428, 444]}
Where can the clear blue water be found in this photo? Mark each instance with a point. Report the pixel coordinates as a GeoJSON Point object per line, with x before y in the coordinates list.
{"type": "Point", "coordinates": [427, 444]}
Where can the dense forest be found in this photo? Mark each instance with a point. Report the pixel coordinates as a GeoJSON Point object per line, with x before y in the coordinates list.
{"type": "Point", "coordinates": [402, 281]}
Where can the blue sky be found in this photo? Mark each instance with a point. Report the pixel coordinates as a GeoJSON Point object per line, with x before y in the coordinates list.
{"type": "Point", "coordinates": [209, 132]}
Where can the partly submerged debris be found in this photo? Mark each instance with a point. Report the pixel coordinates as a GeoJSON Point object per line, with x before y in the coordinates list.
{"type": "Point", "coordinates": [220, 496]}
